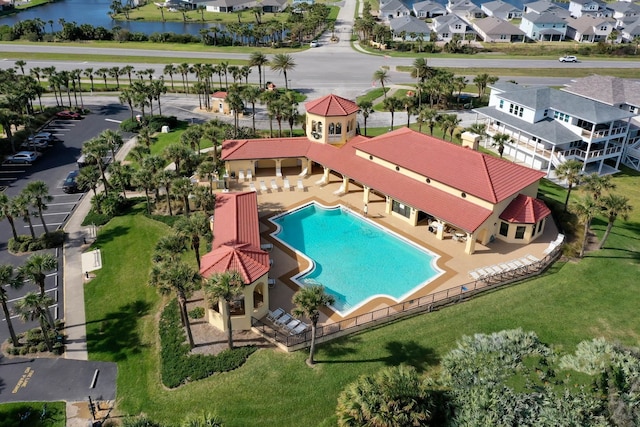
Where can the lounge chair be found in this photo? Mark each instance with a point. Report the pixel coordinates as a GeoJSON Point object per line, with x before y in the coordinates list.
{"type": "Point", "coordinates": [278, 171]}
{"type": "Point", "coordinates": [303, 173]}
{"type": "Point", "coordinates": [241, 175]}
{"type": "Point", "coordinates": [266, 246]}
{"type": "Point", "coordinates": [286, 186]}
{"type": "Point", "coordinates": [283, 320]}
{"type": "Point", "coordinates": [291, 325]}
{"type": "Point", "coordinates": [532, 258]}
{"type": "Point", "coordinates": [249, 174]}
{"type": "Point", "coordinates": [274, 186]}
{"type": "Point", "coordinates": [299, 329]}
{"type": "Point", "coordinates": [263, 186]}
{"type": "Point", "coordinates": [339, 191]}
{"type": "Point", "coordinates": [274, 315]}
{"type": "Point", "coordinates": [475, 275]}
{"type": "Point", "coordinates": [252, 187]}
{"type": "Point", "coordinates": [300, 185]}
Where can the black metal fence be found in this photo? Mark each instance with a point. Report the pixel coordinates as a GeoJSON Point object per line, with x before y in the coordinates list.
{"type": "Point", "coordinates": [404, 309]}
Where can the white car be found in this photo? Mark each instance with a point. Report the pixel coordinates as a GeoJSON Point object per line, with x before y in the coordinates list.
{"type": "Point", "coordinates": [26, 157]}
{"type": "Point", "coordinates": [568, 58]}
{"type": "Point", "coordinates": [314, 43]}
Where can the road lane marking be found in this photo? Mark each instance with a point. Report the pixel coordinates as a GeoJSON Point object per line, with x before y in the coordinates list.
{"type": "Point", "coordinates": [113, 120]}
{"type": "Point", "coordinates": [24, 380]}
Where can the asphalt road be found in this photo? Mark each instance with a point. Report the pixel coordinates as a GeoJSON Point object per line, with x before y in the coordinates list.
{"type": "Point", "coordinates": [51, 380]}
{"type": "Point", "coordinates": [52, 168]}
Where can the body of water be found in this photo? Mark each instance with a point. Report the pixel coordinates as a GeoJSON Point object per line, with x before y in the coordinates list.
{"type": "Point", "coordinates": [353, 258]}
{"type": "Point", "coordinates": [96, 13]}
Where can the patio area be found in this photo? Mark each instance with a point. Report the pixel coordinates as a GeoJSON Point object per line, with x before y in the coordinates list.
{"type": "Point", "coordinates": [453, 259]}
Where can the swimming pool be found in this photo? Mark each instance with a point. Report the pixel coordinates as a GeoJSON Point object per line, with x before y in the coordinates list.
{"type": "Point", "coordinates": [355, 259]}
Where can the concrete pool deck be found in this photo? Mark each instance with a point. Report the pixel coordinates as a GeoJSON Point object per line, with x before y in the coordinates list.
{"type": "Point", "coordinates": [453, 260]}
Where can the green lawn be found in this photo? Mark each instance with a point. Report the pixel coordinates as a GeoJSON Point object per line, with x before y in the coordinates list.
{"type": "Point", "coordinates": [575, 301]}
{"type": "Point", "coordinates": [11, 414]}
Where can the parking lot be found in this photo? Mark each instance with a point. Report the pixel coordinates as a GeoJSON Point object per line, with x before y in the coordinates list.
{"type": "Point", "coordinates": [52, 166]}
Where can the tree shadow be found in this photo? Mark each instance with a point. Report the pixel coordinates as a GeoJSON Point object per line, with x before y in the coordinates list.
{"type": "Point", "coordinates": [111, 234]}
{"type": "Point", "coordinates": [116, 333]}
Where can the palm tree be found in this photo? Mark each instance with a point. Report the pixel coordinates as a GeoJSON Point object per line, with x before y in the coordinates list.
{"type": "Point", "coordinates": [121, 176]}
{"type": "Point", "coordinates": [615, 205]}
{"type": "Point", "coordinates": [8, 280]}
{"type": "Point", "coordinates": [89, 177]}
{"type": "Point", "coordinates": [143, 179]}
{"type": "Point", "coordinates": [479, 129]}
{"type": "Point", "coordinates": [499, 139]}
{"type": "Point", "coordinates": [392, 105]}
{"type": "Point", "coordinates": [165, 178]}
{"type": "Point", "coordinates": [35, 269]}
{"type": "Point", "coordinates": [482, 81]}
{"type": "Point", "coordinates": [395, 396]}
{"type": "Point", "coordinates": [427, 115]}
{"type": "Point", "coordinates": [7, 210]}
{"type": "Point", "coordinates": [38, 194]}
{"type": "Point", "coordinates": [595, 184]}
{"type": "Point", "coordinates": [570, 172]}
{"type": "Point", "coordinates": [194, 228]}
{"type": "Point", "coordinates": [180, 278]}
{"type": "Point", "coordinates": [382, 76]}
{"type": "Point", "coordinates": [170, 70]}
{"type": "Point", "coordinates": [258, 59]}
{"type": "Point", "coordinates": [176, 153]}
{"type": "Point", "coordinates": [251, 94]}
{"type": "Point", "coordinates": [95, 150]}
{"type": "Point", "coordinates": [283, 62]}
{"type": "Point", "coordinates": [36, 307]}
{"type": "Point", "coordinates": [309, 300]}
{"type": "Point", "coordinates": [366, 109]}
{"type": "Point", "coordinates": [21, 204]}
{"type": "Point", "coordinates": [182, 188]}
{"type": "Point", "coordinates": [225, 286]}
{"type": "Point", "coordinates": [208, 169]}
{"type": "Point", "coordinates": [585, 208]}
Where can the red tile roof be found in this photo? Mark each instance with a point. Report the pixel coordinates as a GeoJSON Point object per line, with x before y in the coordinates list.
{"type": "Point", "coordinates": [470, 171]}
{"type": "Point", "coordinates": [331, 106]}
{"type": "Point", "coordinates": [236, 238]}
{"type": "Point", "coordinates": [219, 94]}
{"type": "Point", "coordinates": [474, 173]}
{"type": "Point", "coordinates": [265, 148]}
{"type": "Point", "coordinates": [525, 210]}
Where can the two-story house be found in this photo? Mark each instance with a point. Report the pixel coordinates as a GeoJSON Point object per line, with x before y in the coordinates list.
{"type": "Point", "coordinates": [590, 28]}
{"type": "Point", "coordinates": [542, 6]}
{"type": "Point", "coordinates": [630, 31]}
{"type": "Point", "coordinates": [545, 26]}
{"type": "Point", "coordinates": [465, 9]}
{"type": "Point", "coordinates": [548, 127]}
{"type": "Point", "coordinates": [619, 93]}
{"type": "Point", "coordinates": [580, 8]}
{"type": "Point", "coordinates": [624, 12]}
{"type": "Point", "coordinates": [447, 26]}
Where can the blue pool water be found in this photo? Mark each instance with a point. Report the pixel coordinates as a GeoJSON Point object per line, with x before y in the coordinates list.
{"type": "Point", "coordinates": [354, 258]}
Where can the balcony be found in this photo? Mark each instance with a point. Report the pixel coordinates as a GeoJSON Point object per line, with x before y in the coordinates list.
{"type": "Point", "coordinates": [605, 133]}
{"type": "Point", "coordinates": [523, 143]}
{"type": "Point", "coordinates": [581, 154]}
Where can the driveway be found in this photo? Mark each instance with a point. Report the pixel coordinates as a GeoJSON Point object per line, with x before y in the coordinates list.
{"type": "Point", "coordinates": [49, 380]}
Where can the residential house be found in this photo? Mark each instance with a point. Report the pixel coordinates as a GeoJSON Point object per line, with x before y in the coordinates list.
{"type": "Point", "coordinates": [579, 8]}
{"type": "Point", "coordinates": [545, 26]}
{"type": "Point", "coordinates": [390, 9]}
{"type": "Point", "coordinates": [228, 5]}
{"type": "Point", "coordinates": [624, 13]}
{"type": "Point", "coordinates": [428, 9]}
{"type": "Point", "coordinates": [496, 30]}
{"type": "Point", "coordinates": [549, 126]}
{"type": "Point", "coordinates": [590, 28]}
{"type": "Point", "coordinates": [423, 180]}
{"type": "Point", "coordinates": [448, 26]}
{"type": "Point", "coordinates": [630, 32]}
{"type": "Point", "coordinates": [465, 9]}
{"type": "Point", "coordinates": [619, 93]}
{"type": "Point", "coordinates": [501, 9]}
{"type": "Point", "coordinates": [543, 6]}
{"type": "Point", "coordinates": [409, 28]}
{"type": "Point", "coordinates": [273, 6]}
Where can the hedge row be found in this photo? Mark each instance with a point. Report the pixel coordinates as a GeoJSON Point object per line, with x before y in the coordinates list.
{"type": "Point", "coordinates": [26, 243]}
{"type": "Point", "coordinates": [178, 366]}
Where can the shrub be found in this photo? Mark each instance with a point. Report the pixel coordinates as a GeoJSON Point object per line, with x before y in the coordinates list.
{"type": "Point", "coordinates": [178, 366]}
{"type": "Point", "coordinates": [24, 350]}
{"type": "Point", "coordinates": [95, 218]}
{"type": "Point", "coordinates": [197, 313]}
{"type": "Point", "coordinates": [130, 125]}
{"type": "Point", "coordinates": [155, 123]}
{"type": "Point", "coordinates": [42, 347]}
{"type": "Point", "coordinates": [26, 243]}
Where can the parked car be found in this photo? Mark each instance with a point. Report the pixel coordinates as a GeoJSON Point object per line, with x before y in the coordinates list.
{"type": "Point", "coordinates": [41, 135]}
{"type": "Point", "coordinates": [568, 58]}
{"type": "Point", "coordinates": [36, 145]}
{"type": "Point", "coordinates": [70, 184]}
{"type": "Point", "coordinates": [66, 114]}
{"type": "Point", "coordinates": [26, 157]}
{"type": "Point", "coordinates": [314, 43]}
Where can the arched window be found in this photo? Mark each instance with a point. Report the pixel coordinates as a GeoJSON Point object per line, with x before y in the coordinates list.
{"type": "Point", "coordinates": [338, 128]}
{"type": "Point", "coordinates": [332, 129]}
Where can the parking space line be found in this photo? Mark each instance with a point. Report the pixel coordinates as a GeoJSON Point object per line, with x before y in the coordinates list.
{"type": "Point", "coordinates": [40, 225]}
{"type": "Point", "coordinates": [61, 203]}
{"type": "Point", "coordinates": [113, 120]}
{"type": "Point", "coordinates": [12, 171]}
{"type": "Point", "coordinates": [8, 179]}
{"type": "Point", "coordinates": [55, 213]}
